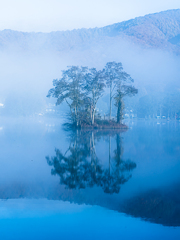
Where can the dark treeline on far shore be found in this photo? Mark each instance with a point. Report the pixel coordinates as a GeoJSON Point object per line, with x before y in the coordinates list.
{"type": "Point", "coordinates": [82, 87]}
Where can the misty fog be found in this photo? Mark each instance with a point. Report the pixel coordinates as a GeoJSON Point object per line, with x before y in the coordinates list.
{"type": "Point", "coordinates": [99, 143]}
{"type": "Point", "coordinates": [26, 75]}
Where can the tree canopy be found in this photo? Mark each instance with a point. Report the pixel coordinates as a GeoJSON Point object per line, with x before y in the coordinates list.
{"type": "Point", "coordinates": [81, 88]}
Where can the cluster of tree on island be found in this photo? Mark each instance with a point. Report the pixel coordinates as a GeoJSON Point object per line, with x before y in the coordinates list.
{"type": "Point", "coordinates": [79, 167]}
{"type": "Point", "coordinates": [81, 88]}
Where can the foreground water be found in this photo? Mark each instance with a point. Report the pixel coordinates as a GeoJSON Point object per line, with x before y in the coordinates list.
{"type": "Point", "coordinates": [83, 184]}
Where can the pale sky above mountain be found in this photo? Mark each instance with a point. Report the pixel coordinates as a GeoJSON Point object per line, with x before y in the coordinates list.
{"type": "Point", "coordinates": [54, 15]}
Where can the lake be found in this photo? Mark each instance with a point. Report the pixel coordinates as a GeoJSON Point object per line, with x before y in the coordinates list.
{"type": "Point", "coordinates": [62, 184]}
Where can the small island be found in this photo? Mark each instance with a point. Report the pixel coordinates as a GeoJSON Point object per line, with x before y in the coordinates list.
{"type": "Point", "coordinates": [82, 87]}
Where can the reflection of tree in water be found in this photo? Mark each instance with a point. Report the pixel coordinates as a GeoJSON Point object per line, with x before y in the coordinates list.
{"type": "Point", "coordinates": [119, 173]}
{"type": "Point", "coordinates": [80, 167]}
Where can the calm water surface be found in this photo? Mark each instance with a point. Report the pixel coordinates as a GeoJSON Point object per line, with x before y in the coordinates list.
{"type": "Point", "coordinates": [64, 184]}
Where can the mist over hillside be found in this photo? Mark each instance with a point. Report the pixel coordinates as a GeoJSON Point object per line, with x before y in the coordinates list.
{"type": "Point", "coordinates": [159, 30]}
{"type": "Point", "coordinates": [148, 48]}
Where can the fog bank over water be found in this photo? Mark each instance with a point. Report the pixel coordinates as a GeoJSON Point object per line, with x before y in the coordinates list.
{"type": "Point", "coordinates": [148, 48]}
{"type": "Point", "coordinates": [26, 76]}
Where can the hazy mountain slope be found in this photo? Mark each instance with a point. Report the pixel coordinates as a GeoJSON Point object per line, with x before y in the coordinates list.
{"type": "Point", "coordinates": [145, 46]}
{"type": "Point", "coordinates": [154, 29]}
{"type": "Point", "coordinates": [160, 30]}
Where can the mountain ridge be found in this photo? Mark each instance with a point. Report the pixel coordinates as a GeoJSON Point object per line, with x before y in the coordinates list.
{"type": "Point", "coordinates": [158, 30]}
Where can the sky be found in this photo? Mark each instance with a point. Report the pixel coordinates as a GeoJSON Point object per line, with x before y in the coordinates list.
{"type": "Point", "coordinates": [57, 15]}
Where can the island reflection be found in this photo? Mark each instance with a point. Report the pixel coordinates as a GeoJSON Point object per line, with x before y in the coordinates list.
{"type": "Point", "coordinates": [80, 167]}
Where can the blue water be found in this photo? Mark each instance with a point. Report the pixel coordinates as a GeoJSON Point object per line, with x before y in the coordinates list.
{"type": "Point", "coordinates": [36, 204]}
{"type": "Point", "coordinates": [42, 219]}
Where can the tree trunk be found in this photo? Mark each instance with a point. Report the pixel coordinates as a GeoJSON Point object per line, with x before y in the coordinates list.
{"type": "Point", "coordinates": [110, 102]}
{"type": "Point", "coordinates": [119, 111]}
{"type": "Point", "coordinates": [93, 116]}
